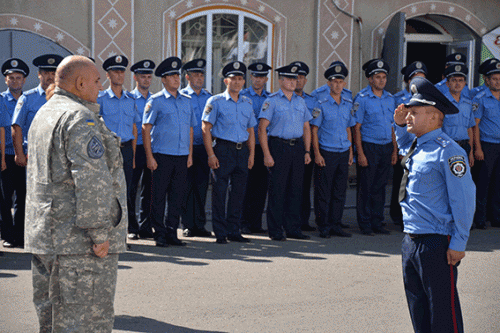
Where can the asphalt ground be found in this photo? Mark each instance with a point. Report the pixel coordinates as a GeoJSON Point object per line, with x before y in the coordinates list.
{"type": "Point", "coordinates": [317, 285]}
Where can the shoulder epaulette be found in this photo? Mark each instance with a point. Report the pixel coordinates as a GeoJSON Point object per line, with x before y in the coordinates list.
{"type": "Point", "coordinates": [273, 94]}
{"type": "Point", "coordinates": [184, 94]}
{"type": "Point", "coordinates": [442, 141]}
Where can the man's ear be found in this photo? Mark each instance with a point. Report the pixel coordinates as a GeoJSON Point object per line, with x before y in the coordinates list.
{"type": "Point", "coordinates": [79, 83]}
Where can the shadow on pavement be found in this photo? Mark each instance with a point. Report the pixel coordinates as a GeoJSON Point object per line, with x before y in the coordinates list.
{"type": "Point", "coordinates": [143, 324]}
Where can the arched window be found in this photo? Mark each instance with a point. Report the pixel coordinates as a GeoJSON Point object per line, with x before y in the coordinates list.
{"type": "Point", "coordinates": [228, 35]}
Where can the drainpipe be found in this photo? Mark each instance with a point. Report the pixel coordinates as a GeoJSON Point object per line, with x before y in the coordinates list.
{"type": "Point", "coordinates": [359, 21]}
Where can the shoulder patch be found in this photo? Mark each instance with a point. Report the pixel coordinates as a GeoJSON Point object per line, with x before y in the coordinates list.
{"type": "Point", "coordinates": [208, 108]}
{"type": "Point", "coordinates": [355, 107]}
{"type": "Point", "coordinates": [475, 106]}
{"type": "Point", "coordinates": [95, 149]}
{"type": "Point", "coordinates": [147, 108]}
{"type": "Point", "coordinates": [458, 165]}
{"type": "Point", "coordinates": [265, 106]}
{"type": "Point", "coordinates": [442, 142]}
{"type": "Point", "coordinates": [316, 112]}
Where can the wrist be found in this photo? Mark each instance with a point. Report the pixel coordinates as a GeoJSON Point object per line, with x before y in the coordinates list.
{"type": "Point", "coordinates": [209, 157]}
{"type": "Point", "coordinates": [307, 152]}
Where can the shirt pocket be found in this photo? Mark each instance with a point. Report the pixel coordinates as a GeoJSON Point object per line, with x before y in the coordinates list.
{"type": "Point", "coordinates": [422, 178]}
{"type": "Point", "coordinates": [490, 109]}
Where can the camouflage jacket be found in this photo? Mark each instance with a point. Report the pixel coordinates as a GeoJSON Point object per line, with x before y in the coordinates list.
{"type": "Point", "coordinates": [76, 190]}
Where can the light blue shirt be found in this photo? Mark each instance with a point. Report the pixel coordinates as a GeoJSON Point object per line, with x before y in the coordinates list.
{"type": "Point", "coordinates": [140, 103]}
{"type": "Point", "coordinates": [198, 103]}
{"type": "Point", "coordinates": [442, 87]}
{"type": "Point", "coordinates": [10, 105]}
{"type": "Point", "coordinates": [488, 111]}
{"type": "Point", "coordinates": [375, 114]}
{"type": "Point", "coordinates": [401, 97]}
{"type": "Point", "coordinates": [172, 119]}
{"type": "Point", "coordinates": [257, 101]}
{"type": "Point", "coordinates": [456, 125]}
{"type": "Point", "coordinates": [440, 194]}
{"type": "Point", "coordinates": [26, 108]}
{"type": "Point", "coordinates": [119, 114]}
{"type": "Point", "coordinates": [323, 92]}
{"type": "Point", "coordinates": [4, 116]}
{"type": "Point", "coordinates": [286, 118]}
{"type": "Point", "coordinates": [477, 90]}
{"type": "Point", "coordinates": [230, 120]}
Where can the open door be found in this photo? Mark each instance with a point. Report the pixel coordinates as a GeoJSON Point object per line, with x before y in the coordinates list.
{"type": "Point", "coordinates": [393, 51]}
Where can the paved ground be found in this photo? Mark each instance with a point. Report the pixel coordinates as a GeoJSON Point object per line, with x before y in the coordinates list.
{"type": "Point", "coordinates": [333, 285]}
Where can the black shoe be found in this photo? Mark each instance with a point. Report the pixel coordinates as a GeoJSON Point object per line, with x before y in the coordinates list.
{"type": "Point", "coordinates": [367, 232]}
{"type": "Point", "coordinates": [298, 236]}
{"type": "Point", "coordinates": [324, 234]}
{"type": "Point", "coordinates": [175, 241]}
{"type": "Point", "coordinates": [133, 236]}
{"type": "Point", "coordinates": [238, 238]}
{"type": "Point", "coordinates": [145, 234]}
{"type": "Point", "coordinates": [246, 230]}
{"type": "Point", "coordinates": [161, 243]}
{"type": "Point", "coordinates": [340, 233]}
{"type": "Point", "coordinates": [344, 226]}
{"type": "Point", "coordinates": [381, 231]}
{"type": "Point", "coordinates": [202, 233]}
{"type": "Point", "coordinates": [481, 226]}
{"type": "Point", "coordinates": [188, 233]}
{"type": "Point", "coordinates": [221, 241]}
{"type": "Point", "coordinates": [278, 238]}
{"type": "Point", "coordinates": [258, 231]}
{"type": "Point", "coordinates": [307, 227]}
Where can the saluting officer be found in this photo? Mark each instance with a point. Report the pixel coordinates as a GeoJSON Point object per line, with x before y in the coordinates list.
{"type": "Point", "coordinates": [486, 106]}
{"type": "Point", "coordinates": [286, 151]}
{"type": "Point", "coordinates": [481, 70]}
{"type": "Point", "coordinates": [194, 219]}
{"type": "Point", "coordinates": [409, 72]}
{"type": "Point", "coordinates": [376, 146]}
{"type": "Point", "coordinates": [229, 138]}
{"type": "Point", "coordinates": [256, 193]}
{"type": "Point", "coordinates": [453, 60]}
{"type": "Point", "coordinates": [459, 126]}
{"type": "Point", "coordinates": [167, 132]}
{"type": "Point", "coordinates": [437, 199]}
{"type": "Point", "coordinates": [13, 176]}
{"type": "Point", "coordinates": [119, 112]}
{"type": "Point", "coordinates": [143, 73]}
{"type": "Point", "coordinates": [332, 142]}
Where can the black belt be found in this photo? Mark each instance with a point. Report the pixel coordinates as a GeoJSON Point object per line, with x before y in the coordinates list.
{"type": "Point", "coordinates": [290, 142]}
{"type": "Point", "coordinates": [237, 145]}
{"type": "Point", "coordinates": [417, 236]}
{"type": "Point", "coordinates": [126, 143]}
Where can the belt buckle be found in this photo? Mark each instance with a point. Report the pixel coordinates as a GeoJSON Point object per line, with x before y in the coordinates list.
{"type": "Point", "coordinates": [239, 145]}
{"type": "Point", "coordinates": [292, 142]}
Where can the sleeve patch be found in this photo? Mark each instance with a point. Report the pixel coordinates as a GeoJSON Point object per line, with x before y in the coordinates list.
{"type": "Point", "coordinates": [316, 112]}
{"type": "Point", "coordinates": [355, 108]}
{"type": "Point", "coordinates": [475, 106]}
{"type": "Point", "coordinates": [265, 106]}
{"type": "Point", "coordinates": [95, 149]}
{"type": "Point", "coordinates": [147, 108]}
{"type": "Point", "coordinates": [457, 166]}
{"type": "Point", "coordinates": [90, 122]}
{"type": "Point", "coordinates": [208, 108]}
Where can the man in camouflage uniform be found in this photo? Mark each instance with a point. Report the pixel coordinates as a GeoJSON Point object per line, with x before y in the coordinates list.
{"type": "Point", "coordinates": [76, 207]}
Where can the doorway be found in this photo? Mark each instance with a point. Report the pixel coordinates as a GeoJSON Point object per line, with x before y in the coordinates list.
{"type": "Point", "coordinates": [431, 54]}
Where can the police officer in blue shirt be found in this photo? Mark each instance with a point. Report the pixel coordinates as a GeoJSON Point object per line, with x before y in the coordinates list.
{"type": "Point", "coordinates": [167, 132]}
{"type": "Point", "coordinates": [286, 150]}
{"type": "Point", "coordinates": [256, 193]}
{"type": "Point", "coordinates": [229, 139]}
{"type": "Point", "coordinates": [332, 142]}
{"type": "Point", "coordinates": [453, 60]}
{"type": "Point", "coordinates": [375, 145]}
{"type": "Point", "coordinates": [437, 199]}
{"type": "Point", "coordinates": [486, 106]}
{"type": "Point", "coordinates": [481, 70]}
{"type": "Point", "coordinates": [119, 112]}
{"type": "Point", "coordinates": [323, 91]}
{"type": "Point", "coordinates": [143, 73]}
{"type": "Point", "coordinates": [409, 72]}
{"type": "Point", "coordinates": [194, 218]}
{"type": "Point", "coordinates": [13, 176]}
{"type": "Point", "coordinates": [459, 126]}
{"type": "Point", "coordinates": [308, 169]}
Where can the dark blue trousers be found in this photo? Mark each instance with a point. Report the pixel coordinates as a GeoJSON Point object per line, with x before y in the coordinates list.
{"type": "Point", "coordinates": [306, 191]}
{"type": "Point", "coordinates": [371, 185]}
{"type": "Point", "coordinates": [169, 178]}
{"type": "Point", "coordinates": [256, 193]}
{"type": "Point", "coordinates": [128, 163]}
{"type": "Point", "coordinates": [330, 186]}
{"type": "Point", "coordinates": [285, 188]}
{"type": "Point", "coordinates": [141, 171]}
{"type": "Point", "coordinates": [13, 183]}
{"type": "Point", "coordinates": [485, 179]}
{"type": "Point", "coordinates": [194, 217]}
{"type": "Point", "coordinates": [431, 285]}
{"type": "Point", "coordinates": [233, 168]}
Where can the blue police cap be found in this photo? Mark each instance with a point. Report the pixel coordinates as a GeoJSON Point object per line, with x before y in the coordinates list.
{"type": "Point", "coordinates": [337, 70]}
{"type": "Point", "coordinates": [456, 70]}
{"type": "Point", "coordinates": [145, 66]}
{"type": "Point", "coordinates": [492, 68]}
{"type": "Point", "coordinates": [169, 66]}
{"type": "Point", "coordinates": [485, 64]}
{"type": "Point", "coordinates": [195, 65]}
{"type": "Point", "coordinates": [424, 93]}
{"type": "Point", "coordinates": [375, 66]}
{"type": "Point", "coordinates": [412, 69]}
{"type": "Point", "coordinates": [259, 69]}
{"type": "Point", "coordinates": [303, 68]}
{"type": "Point", "coordinates": [15, 65]}
{"type": "Point", "coordinates": [234, 68]}
{"type": "Point", "coordinates": [291, 70]}
{"type": "Point", "coordinates": [117, 62]}
{"type": "Point", "coordinates": [456, 59]}
{"type": "Point", "coordinates": [48, 62]}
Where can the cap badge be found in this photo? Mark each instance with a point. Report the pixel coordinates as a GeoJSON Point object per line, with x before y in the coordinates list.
{"type": "Point", "coordinates": [413, 89]}
{"type": "Point", "coordinates": [118, 59]}
{"type": "Point", "coordinates": [51, 61]}
{"type": "Point", "coordinates": [458, 68]}
{"type": "Point", "coordinates": [174, 64]}
{"type": "Point", "coordinates": [498, 65]}
{"type": "Point", "coordinates": [294, 69]}
{"type": "Point", "coordinates": [418, 65]}
{"type": "Point", "coordinates": [259, 67]}
{"type": "Point", "coordinates": [236, 65]}
{"type": "Point", "coordinates": [200, 63]}
{"type": "Point", "coordinates": [338, 69]}
{"type": "Point", "coordinates": [146, 64]}
{"type": "Point", "coordinates": [380, 64]}
{"type": "Point", "coordinates": [14, 63]}
{"type": "Point", "coordinates": [458, 57]}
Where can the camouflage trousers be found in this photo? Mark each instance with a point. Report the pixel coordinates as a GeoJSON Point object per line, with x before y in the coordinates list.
{"type": "Point", "coordinates": [74, 293]}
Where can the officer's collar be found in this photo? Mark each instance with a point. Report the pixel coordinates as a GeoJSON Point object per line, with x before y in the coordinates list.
{"type": "Point", "coordinates": [429, 136]}
{"type": "Point", "coordinates": [254, 93]}
{"type": "Point", "coordinates": [372, 94]}
{"type": "Point", "coordinates": [94, 107]}
{"type": "Point", "coordinates": [136, 93]}
{"type": "Point", "coordinates": [9, 95]}
{"type": "Point", "coordinates": [111, 93]}
{"type": "Point", "coordinates": [168, 95]}
{"type": "Point", "coordinates": [40, 90]}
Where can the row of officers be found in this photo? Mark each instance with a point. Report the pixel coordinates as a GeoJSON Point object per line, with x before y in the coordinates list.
{"type": "Point", "coordinates": [254, 144]}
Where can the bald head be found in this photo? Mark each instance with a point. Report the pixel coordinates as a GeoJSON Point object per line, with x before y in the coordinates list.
{"type": "Point", "coordinates": [79, 76]}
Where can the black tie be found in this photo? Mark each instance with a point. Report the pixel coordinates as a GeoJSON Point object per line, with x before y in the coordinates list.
{"type": "Point", "coordinates": [404, 180]}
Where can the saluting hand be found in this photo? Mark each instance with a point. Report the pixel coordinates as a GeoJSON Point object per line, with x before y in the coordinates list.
{"type": "Point", "coordinates": [400, 115]}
